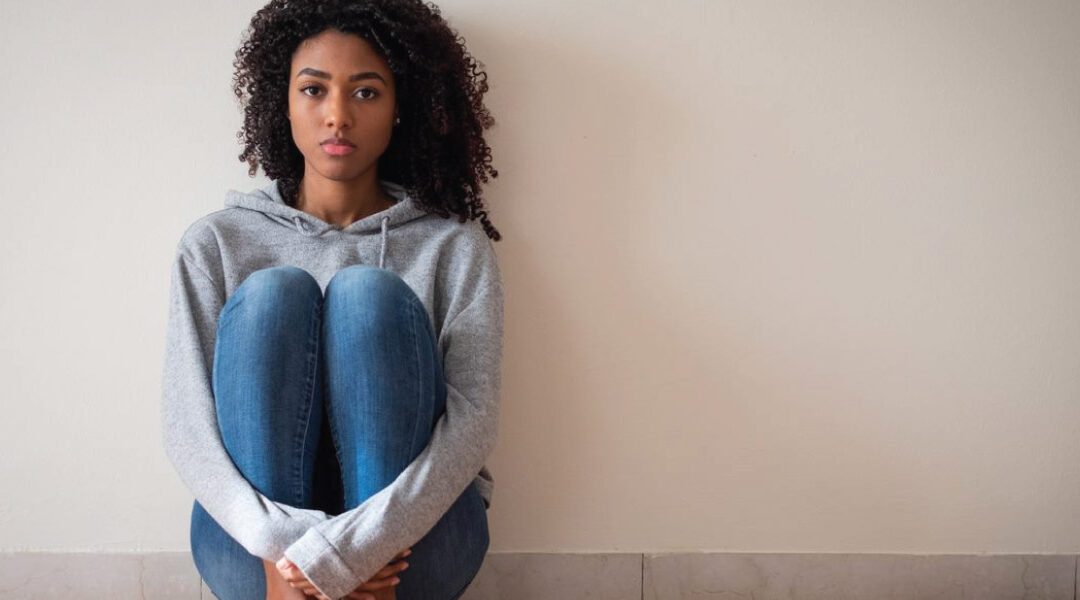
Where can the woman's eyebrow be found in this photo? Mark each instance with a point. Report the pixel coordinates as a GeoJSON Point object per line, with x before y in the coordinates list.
{"type": "Point", "coordinates": [355, 77]}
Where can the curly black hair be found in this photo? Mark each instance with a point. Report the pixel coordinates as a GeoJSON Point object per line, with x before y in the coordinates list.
{"type": "Point", "coordinates": [438, 152]}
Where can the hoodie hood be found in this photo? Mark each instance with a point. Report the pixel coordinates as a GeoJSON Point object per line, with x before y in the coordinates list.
{"type": "Point", "coordinates": [268, 201]}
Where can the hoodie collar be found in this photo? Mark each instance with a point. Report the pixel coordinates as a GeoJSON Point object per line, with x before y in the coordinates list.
{"type": "Point", "coordinates": [268, 201]}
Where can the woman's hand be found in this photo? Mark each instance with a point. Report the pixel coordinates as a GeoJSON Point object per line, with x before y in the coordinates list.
{"type": "Point", "coordinates": [296, 579]}
{"type": "Point", "coordinates": [383, 578]}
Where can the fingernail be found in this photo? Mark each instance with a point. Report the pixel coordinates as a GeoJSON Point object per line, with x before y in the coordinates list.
{"type": "Point", "coordinates": [396, 580]}
{"type": "Point", "coordinates": [404, 566]}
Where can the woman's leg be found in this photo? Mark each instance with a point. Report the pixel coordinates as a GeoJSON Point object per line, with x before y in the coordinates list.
{"type": "Point", "coordinates": [384, 393]}
{"type": "Point", "coordinates": [269, 412]}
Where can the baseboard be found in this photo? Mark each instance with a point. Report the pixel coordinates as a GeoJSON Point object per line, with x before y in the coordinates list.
{"type": "Point", "coordinates": [618, 576]}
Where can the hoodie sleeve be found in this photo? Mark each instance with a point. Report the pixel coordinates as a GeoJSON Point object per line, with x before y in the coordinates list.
{"type": "Point", "coordinates": [191, 436]}
{"type": "Point", "coordinates": [347, 550]}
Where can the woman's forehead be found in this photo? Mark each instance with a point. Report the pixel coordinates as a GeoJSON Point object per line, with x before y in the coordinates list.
{"type": "Point", "coordinates": [333, 55]}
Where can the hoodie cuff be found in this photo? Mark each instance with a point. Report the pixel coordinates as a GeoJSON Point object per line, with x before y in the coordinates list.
{"type": "Point", "coordinates": [321, 563]}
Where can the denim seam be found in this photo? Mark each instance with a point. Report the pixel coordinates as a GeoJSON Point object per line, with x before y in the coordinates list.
{"type": "Point", "coordinates": [313, 354]}
{"type": "Point", "coordinates": [330, 422]}
{"type": "Point", "coordinates": [334, 443]}
{"type": "Point", "coordinates": [420, 391]}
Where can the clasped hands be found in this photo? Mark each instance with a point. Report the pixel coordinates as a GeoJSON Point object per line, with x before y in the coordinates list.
{"type": "Point", "coordinates": [382, 579]}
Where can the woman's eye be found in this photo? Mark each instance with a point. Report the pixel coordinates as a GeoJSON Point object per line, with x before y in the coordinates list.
{"type": "Point", "coordinates": [371, 91]}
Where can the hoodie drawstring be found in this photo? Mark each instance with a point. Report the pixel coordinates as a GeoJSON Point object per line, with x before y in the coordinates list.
{"type": "Point", "coordinates": [382, 248]}
{"type": "Point", "coordinates": [299, 226]}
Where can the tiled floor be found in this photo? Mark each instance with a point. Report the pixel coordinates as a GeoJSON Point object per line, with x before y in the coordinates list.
{"type": "Point", "coordinates": [542, 576]}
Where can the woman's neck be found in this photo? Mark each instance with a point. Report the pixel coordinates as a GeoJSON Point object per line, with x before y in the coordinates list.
{"type": "Point", "coordinates": [341, 203]}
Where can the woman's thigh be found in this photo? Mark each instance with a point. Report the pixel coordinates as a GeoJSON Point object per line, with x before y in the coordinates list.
{"type": "Point", "coordinates": [268, 407]}
{"type": "Point", "coordinates": [379, 381]}
{"type": "Point", "coordinates": [384, 394]}
{"type": "Point", "coordinates": [383, 377]}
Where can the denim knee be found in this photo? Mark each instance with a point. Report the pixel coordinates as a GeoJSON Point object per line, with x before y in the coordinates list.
{"type": "Point", "coordinates": [284, 282]}
{"type": "Point", "coordinates": [372, 283]}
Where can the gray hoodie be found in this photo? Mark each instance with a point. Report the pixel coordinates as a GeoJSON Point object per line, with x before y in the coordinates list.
{"type": "Point", "coordinates": [451, 266]}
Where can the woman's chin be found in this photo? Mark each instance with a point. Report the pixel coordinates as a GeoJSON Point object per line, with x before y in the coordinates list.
{"type": "Point", "coordinates": [340, 171]}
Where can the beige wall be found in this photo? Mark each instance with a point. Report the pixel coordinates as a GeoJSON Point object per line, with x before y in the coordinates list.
{"type": "Point", "coordinates": [781, 276]}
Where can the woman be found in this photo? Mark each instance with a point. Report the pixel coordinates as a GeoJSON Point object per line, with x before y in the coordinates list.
{"type": "Point", "coordinates": [332, 364]}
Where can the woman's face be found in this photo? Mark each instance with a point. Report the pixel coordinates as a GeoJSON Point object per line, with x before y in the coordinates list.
{"type": "Point", "coordinates": [340, 87]}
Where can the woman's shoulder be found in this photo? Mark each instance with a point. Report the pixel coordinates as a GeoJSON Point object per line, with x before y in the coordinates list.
{"type": "Point", "coordinates": [468, 262]}
{"type": "Point", "coordinates": [468, 235]}
{"type": "Point", "coordinates": [465, 241]}
{"type": "Point", "coordinates": [201, 239]}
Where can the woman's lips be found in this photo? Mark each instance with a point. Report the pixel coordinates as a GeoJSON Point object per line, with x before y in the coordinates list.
{"type": "Point", "coordinates": [338, 149]}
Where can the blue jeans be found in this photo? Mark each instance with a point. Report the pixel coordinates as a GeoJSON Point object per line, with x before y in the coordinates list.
{"type": "Point", "coordinates": [363, 359]}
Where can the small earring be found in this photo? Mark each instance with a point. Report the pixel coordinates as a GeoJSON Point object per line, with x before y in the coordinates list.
{"type": "Point", "coordinates": [397, 120]}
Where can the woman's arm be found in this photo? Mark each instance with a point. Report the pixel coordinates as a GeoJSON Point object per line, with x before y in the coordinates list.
{"type": "Point", "coordinates": [191, 436]}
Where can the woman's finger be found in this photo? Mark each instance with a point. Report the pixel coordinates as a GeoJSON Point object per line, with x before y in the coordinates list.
{"type": "Point", "coordinates": [386, 571]}
{"type": "Point", "coordinates": [384, 574]}
{"type": "Point", "coordinates": [378, 584]}
{"type": "Point", "coordinates": [293, 574]}
{"type": "Point", "coordinates": [309, 590]}
{"type": "Point", "coordinates": [383, 578]}
{"type": "Point", "coordinates": [390, 569]}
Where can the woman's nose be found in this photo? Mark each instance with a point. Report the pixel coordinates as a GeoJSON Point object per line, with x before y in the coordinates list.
{"type": "Point", "coordinates": [337, 112]}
